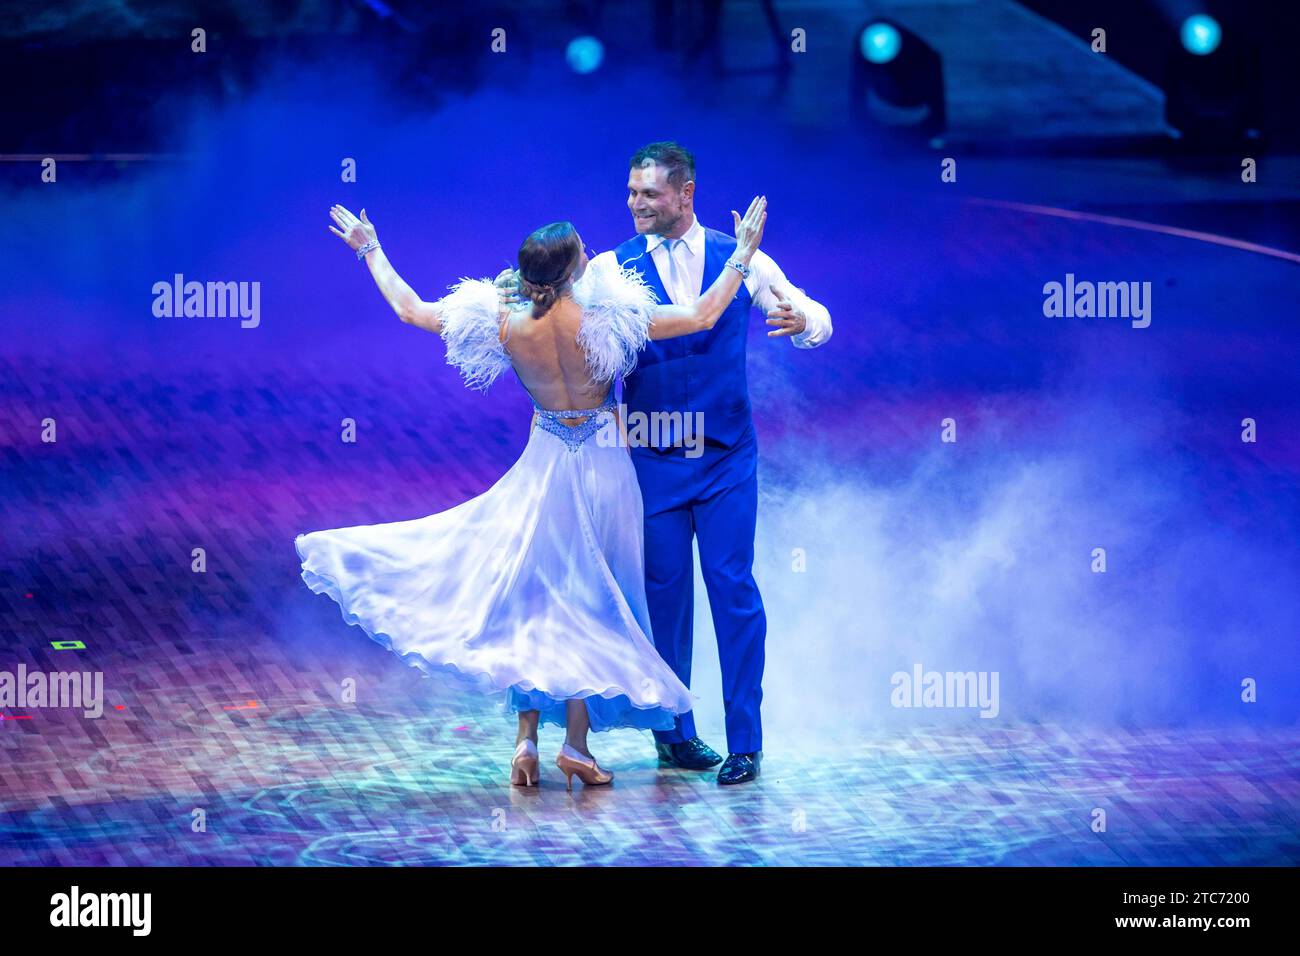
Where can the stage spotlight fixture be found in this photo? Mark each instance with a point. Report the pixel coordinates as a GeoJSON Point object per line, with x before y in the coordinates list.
{"type": "Point", "coordinates": [897, 80]}
{"type": "Point", "coordinates": [1213, 101]}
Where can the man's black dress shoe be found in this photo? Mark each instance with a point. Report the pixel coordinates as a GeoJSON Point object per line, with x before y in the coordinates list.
{"type": "Point", "coordinates": [693, 754]}
{"type": "Point", "coordinates": [740, 768]}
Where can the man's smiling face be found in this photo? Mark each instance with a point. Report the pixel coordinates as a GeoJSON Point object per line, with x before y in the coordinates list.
{"type": "Point", "coordinates": [657, 206]}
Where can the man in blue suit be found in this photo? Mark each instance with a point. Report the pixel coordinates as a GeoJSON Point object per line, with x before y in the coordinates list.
{"type": "Point", "coordinates": [703, 486]}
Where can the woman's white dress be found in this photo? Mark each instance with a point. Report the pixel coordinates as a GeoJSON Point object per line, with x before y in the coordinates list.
{"type": "Point", "coordinates": [536, 588]}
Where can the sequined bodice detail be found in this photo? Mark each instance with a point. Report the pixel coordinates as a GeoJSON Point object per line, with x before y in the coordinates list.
{"type": "Point", "coordinates": [575, 435]}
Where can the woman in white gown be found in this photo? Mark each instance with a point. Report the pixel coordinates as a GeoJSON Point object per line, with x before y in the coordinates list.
{"type": "Point", "coordinates": [536, 587]}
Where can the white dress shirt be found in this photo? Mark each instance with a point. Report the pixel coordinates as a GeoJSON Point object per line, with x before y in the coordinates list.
{"type": "Point", "coordinates": [688, 256]}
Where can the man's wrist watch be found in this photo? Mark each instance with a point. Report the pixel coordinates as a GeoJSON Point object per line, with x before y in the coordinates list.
{"type": "Point", "coordinates": [739, 267]}
{"type": "Point", "coordinates": [361, 252]}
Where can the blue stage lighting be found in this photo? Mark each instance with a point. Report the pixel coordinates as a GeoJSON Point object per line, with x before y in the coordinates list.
{"type": "Point", "coordinates": [880, 43]}
{"type": "Point", "coordinates": [585, 54]}
{"type": "Point", "coordinates": [1201, 34]}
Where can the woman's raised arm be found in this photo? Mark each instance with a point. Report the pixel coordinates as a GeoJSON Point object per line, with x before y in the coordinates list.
{"type": "Point", "coordinates": [410, 308]}
{"type": "Point", "coordinates": [671, 321]}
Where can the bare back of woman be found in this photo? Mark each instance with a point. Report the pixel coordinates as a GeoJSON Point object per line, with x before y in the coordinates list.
{"type": "Point", "coordinates": [546, 356]}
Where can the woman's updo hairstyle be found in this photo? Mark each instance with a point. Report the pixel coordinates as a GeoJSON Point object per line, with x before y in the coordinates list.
{"type": "Point", "coordinates": [546, 262]}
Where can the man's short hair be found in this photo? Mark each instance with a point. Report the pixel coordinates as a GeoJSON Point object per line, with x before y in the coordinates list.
{"type": "Point", "coordinates": [676, 159]}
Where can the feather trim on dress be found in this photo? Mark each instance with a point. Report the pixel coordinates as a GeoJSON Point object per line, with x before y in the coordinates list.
{"type": "Point", "coordinates": [617, 311]}
{"type": "Point", "coordinates": [470, 329]}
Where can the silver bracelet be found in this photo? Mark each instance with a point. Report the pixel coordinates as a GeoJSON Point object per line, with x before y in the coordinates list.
{"type": "Point", "coordinates": [372, 244]}
{"type": "Point", "coordinates": [739, 267]}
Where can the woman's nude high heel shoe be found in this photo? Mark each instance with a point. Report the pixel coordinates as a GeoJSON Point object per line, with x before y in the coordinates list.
{"type": "Point", "coordinates": [573, 763]}
{"type": "Point", "coordinates": [525, 765]}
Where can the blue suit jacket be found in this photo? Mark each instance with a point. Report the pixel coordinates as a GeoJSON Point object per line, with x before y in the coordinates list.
{"type": "Point", "coordinates": [702, 372]}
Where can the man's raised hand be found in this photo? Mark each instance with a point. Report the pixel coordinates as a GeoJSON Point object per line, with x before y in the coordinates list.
{"type": "Point", "coordinates": [788, 318]}
{"type": "Point", "coordinates": [507, 283]}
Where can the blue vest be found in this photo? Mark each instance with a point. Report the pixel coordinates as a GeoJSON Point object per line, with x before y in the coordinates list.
{"type": "Point", "coordinates": [702, 372]}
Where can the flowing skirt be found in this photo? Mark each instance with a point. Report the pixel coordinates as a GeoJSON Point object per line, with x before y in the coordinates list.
{"type": "Point", "coordinates": [534, 589]}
